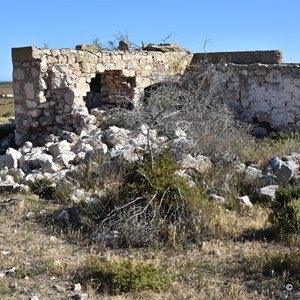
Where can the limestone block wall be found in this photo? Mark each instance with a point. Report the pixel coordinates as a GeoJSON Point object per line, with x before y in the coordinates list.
{"type": "Point", "coordinates": [268, 94]}
{"type": "Point", "coordinates": [241, 57]}
{"type": "Point", "coordinates": [53, 87]}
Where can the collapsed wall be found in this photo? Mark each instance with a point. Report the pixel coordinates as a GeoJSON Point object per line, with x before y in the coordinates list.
{"type": "Point", "coordinates": [55, 88]}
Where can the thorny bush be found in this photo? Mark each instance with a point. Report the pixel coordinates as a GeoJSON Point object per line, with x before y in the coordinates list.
{"type": "Point", "coordinates": [193, 104]}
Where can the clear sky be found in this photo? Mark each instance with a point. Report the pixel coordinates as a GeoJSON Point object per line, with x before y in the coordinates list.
{"type": "Point", "coordinates": [227, 25]}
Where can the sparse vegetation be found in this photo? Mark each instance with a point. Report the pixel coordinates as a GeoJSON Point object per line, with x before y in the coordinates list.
{"type": "Point", "coordinates": [286, 210]}
{"type": "Point", "coordinates": [281, 264]}
{"type": "Point", "coordinates": [99, 172]}
{"type": "Point", "coordinates": [259, 151]}
{"type": "Point", "coordinates": [45, 188]}
{"type": "Point", "coordinates": [123, 276]}
{"type": "Point", "coordinates": [153, 205]}
{"type": "Point", "coordinates": [112, 45]}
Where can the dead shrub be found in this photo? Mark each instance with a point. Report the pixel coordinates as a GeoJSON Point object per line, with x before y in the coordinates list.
{"type": "Point", "coordinates": [192, 104]}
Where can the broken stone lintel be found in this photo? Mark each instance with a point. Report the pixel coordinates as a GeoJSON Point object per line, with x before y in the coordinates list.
{"type": "Point", "coordinates": [25, 54]}
{"type": "Point", "coordinates": [86, 47]}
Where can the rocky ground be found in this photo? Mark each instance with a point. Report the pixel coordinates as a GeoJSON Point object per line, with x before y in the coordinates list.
{"type": "Point", "coordinates": [38, 262]}
{"type": "Point", "coordinates": [41, 257]}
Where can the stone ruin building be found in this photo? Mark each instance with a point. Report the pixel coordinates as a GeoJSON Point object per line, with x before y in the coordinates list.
{"type": "Point", "coordinates": [56, 89]}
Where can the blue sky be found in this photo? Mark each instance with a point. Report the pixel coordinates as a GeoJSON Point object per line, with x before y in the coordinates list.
{"type": "Point", "coordinates": [227, 25]}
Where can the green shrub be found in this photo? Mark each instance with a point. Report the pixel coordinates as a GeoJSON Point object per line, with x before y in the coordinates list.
{"type": "Point", "coordinates": [44, 188]}
{"type": "Point", "coordinates": [286, 210]}
{"type": "Point", "coordinates": [62, 192]}
{"type": "Point", "coordinates": [123, 276]}
{"type": "Point", "coordinates": [286, 194]}
{"type": "Point", "coordinates": [287, 219]}
{"type": "Point", "coordinates": [153, 205]}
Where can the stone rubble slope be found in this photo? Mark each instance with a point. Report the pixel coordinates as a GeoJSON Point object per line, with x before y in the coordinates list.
{"type": "Point", "coordinates": [59, 155]}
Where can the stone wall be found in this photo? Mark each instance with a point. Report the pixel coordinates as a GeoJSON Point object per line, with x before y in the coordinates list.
{"type": "Point", "coordinates": [52, 87]}
{"type": "Point", "coordinates": [268, 94]}
{"type": "Point", "coordinates": [241, 57]}
{"type": "Point", "coordinates": [55, 89]}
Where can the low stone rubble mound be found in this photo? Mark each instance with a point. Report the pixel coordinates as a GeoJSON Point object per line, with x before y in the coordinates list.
{"type": "Point", "coordinates": [63, 153]}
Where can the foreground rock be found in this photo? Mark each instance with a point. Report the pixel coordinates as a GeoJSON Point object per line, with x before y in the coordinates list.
{"type": "Point", "coordinates": [267, 193]}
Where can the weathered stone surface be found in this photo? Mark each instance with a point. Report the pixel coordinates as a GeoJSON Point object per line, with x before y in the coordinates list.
{"type": "Point", "coordinates": [123, 46]}
{"type": "Point", "coordinates": [6, 187]}
{"type": "Point", "coordinates": [267, 193]}
{"type": "Point", "coordinates": [169, 47]}
{"type": "Point", "coordinates": [252, 173]}
{"type": "Point", "coordinates": [217, 199]}
{"type": "Point", "coordinates": [242, 57]}
{"type": "Point", "coordinates": [57, 89]}
{"type": "Point", "coordinates": [41, 161]}
{"type": "Point", "coordinates": [274, 164]}
{"type": "Point", "coordinates": [53, 85]}
{"type": "Point", "coordinates": [59, 148]}
{"type": "Point", "coordinates": [292, 160]}
{"type": "Point", "coordinates": [64, 159]}
{"type": "Point", "coordinates": [86, 47]}
{"type": "Point", "coordinates": [115, 135]}
{"type": "Point", "coordinates": [285, 173]}
{"type": "Point", "coordinates": [243, 202]}
{"type": "Point", "coordinates": [200, 163]}
{"type": "Point", "coordinates": [10, 159]}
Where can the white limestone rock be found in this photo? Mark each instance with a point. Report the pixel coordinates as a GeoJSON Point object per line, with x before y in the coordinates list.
{"type": "Point", "coordinates": [59, 148]}
{"type": "Point", "coordinates": [10, 159]}
{"type": "Point", "coordinates": [64, 159]}
{"type": "Point", "coordinates": [26, 148]}
{"type": "Point", "coordinates": [252, 173]}
{"type": "Point", "coordinates": [201, 163]}
{"type": "Point", "coordinates": [115, 135]}
{"type": "Point", "coordinates": [80, 112]}
{"type": "Point", "coordinates": [267, 193]}
{"type": "Point", "coordinates": [189, 180]}
{"type": "Point", "coordinates": [127, 152]}
{"type": "Point", "coordinates": [217, 199]}
{"type": "Point", "coordinates": [243, 202]}
{"type": "Point", "coordinates": [41, 161]}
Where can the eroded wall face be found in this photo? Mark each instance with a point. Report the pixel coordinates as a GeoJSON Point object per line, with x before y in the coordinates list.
{"type": "Point", "coordinates": [55, 88]}
{"type": "Point", "coordinates": [51, 86]}
{"type": "Point", "coordinates": [267, 94]}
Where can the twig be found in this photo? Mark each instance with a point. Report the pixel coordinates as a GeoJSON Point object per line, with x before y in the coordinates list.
{"type": "Point", "coordinates": [118, 209]}
{"type": "Point", "coordinates": [145, 208]}
{"type": "Point", "coordinates": [145, 177]}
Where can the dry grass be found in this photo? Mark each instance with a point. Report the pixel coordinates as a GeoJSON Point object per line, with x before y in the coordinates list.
{"type": "Point", "coordinates": [45, 257]}
{"type": "Point", "coordinates": [6, 105]}
{"type": "Point", "coordinates": [6, 87]}
{"type": "Point", "coordinates": [259, 151]}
